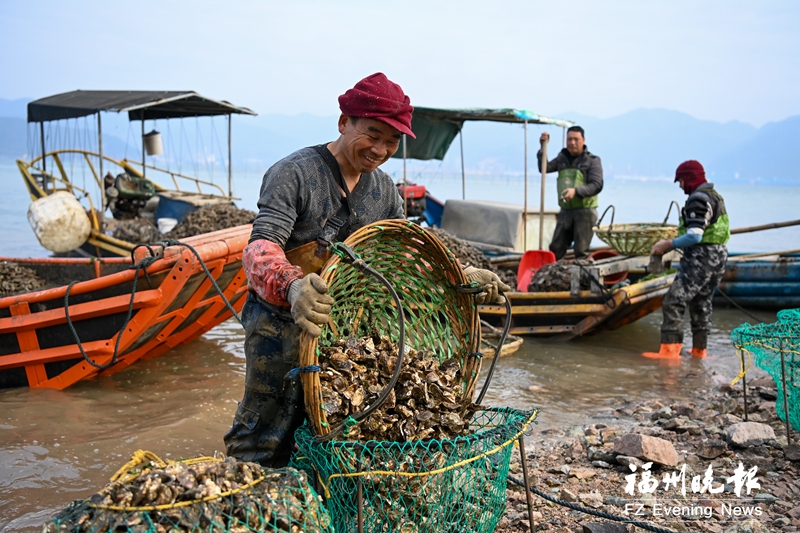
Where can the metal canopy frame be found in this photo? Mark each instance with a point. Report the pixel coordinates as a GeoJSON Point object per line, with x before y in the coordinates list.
{"type": "Point", "coordinates": [140, 105]}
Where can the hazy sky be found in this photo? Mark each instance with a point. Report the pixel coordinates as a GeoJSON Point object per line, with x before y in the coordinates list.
{"type": "Point", "coordinates": [717, 60]}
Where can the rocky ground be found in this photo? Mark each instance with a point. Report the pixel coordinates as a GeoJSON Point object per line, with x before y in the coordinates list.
{"type": "Point", "coordinates": [588, 466]}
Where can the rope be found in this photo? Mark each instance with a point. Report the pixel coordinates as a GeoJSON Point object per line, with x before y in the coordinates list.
{"type": "Point", "coordinates": [743, 372]}
{"type": "Point", "coordinates": [170, 242]}
{"type": "Point", "coordinates": [605, 292]}
{"type": "Point", "coordinates": [293, 373]}
{"type": "Point", "coordinates": [601, 514]}
{"type": "Point", "coordinates": [142, 264]}
{"type": "Point", "coordinates": [739, 307]}
{"type": "Point", "coordinates": [493, 451]}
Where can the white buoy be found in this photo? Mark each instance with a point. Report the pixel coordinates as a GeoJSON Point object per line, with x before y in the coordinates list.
{"type": "Point", "coordinates": [59, 221]}
{"type": "Point", "coordinates": [153, 144]}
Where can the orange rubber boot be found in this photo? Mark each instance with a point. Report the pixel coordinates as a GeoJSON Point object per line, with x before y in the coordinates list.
{"type": "Point", "coordinates": [667, 351]}
{"type": "Point", "coordinates": [699, 353]}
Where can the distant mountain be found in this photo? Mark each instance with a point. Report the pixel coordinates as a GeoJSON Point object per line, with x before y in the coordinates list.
{"type": "Point", "coordinates": [768, 156]}
{"type": "Point", "coordinates": [642, 143]}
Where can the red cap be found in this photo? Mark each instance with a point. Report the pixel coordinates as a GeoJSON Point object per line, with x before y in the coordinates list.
{"type": "Point", "coordinates": [692, 173]}
{"type": "Point", "coordinates": [381, 99]}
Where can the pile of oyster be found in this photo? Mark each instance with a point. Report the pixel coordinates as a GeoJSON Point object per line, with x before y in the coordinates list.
{"type": "Point", "coordinates": [555, 277]}
{"type": "Point", "coordinates": [15, 279]}
{"type": "Point", "coordinates": [282, 501]}
{"type": "Point", "coordinates": [426, 402]}
{"type": "Point", "coordinates": [210, 218]}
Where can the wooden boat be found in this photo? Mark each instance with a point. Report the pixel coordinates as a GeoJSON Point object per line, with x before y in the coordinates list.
{"type": "Point", "coordinates": [765, 281]}
{"type": "Point", "coordinates": [490, 337]}
{"type": "Point", "coordinates": [581, 312]}
{"type": "Point", "coordinates": [118, 190]}
{"type": "Point", "coordinates": [175, 302]}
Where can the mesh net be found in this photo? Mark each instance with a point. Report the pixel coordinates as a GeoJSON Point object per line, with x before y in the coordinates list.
{"type": "Point", "coordinates": [438, 318]}
{"type": "Point", "coordinates": [454, 485]}
{"type": "Point", "coordinates": [148, 495]}
{"type": "Point", "coordinates": [766, 343]}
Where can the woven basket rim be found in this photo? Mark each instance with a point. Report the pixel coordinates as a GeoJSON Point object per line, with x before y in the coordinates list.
{"type": "Point", "coordinates": [312, 390]}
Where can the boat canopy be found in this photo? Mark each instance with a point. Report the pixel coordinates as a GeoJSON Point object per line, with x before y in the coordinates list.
{"type": "Point", "coordinates": [436, 128]}
{"type": "Point", "coordinates": [140, 105]}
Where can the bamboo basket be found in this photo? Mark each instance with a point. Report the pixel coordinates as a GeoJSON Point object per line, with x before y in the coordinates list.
{"type": "Point", "coordinates": [635, 238]}
{"type": "Point", "coordinates": [438, 318]}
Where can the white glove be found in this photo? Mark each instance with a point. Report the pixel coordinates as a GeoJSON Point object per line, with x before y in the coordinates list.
{"type": "Point", "coordinates": [311, 305]}
{"type": "Point", "coordinates": [492, 286]}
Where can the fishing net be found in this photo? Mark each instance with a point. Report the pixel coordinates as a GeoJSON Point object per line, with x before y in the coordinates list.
{"type": "Point", "coordinates": [438, 485]}
{"type": "Point", "coordinates": [440, 320]}
{"type": "Point", "coordinates": [148, 495]}
{"type": "Point", "coordinates": [775, 348]}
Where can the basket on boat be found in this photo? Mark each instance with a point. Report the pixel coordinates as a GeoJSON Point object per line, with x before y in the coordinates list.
{"type": "Point", "coordinates": [635, 238]}
{"type": "Point", "coordinates": [438, 317]}
{"type": "Point", "coordinates": [204, 494]}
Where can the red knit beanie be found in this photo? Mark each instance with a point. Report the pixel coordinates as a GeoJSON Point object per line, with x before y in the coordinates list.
{"type": "Point", "coordinates": [693, 175]}
{"type": "Point", "coordinates": [377, 97]}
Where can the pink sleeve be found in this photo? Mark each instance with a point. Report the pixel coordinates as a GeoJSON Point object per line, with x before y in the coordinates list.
{"type": "Point", "coordinates": [268, 271]}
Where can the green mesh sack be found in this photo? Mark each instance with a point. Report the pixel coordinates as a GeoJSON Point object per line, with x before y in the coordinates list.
{"type": "Point", "coordinates": [765, 343]}
{"type": "Point", "coordinates": [423, 486]}
{"type": "Point", "coordinates": [148, 495]}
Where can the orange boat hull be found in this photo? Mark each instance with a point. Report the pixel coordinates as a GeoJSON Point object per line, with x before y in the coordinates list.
{"type": "Point", "coordinates": [175, 302]}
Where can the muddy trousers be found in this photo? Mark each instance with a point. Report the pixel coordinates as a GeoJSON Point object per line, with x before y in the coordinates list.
{"type": "Point", "coordinates": [573, 225]}
{"type": "Point", "coordinates": [272, 407]}
{"type": "Point", "coordinates": [698, 276]}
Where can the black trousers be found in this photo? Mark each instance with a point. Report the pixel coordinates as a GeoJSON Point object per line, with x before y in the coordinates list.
{"type": "Point", "coordinates": [574, 225]}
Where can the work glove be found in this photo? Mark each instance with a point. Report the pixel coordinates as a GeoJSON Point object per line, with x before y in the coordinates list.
{"type": "Point", "coordinates": [310, 303]}
{"type": "Point", "coordinates": [492, 286]}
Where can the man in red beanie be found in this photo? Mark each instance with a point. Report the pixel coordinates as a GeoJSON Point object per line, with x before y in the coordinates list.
{"type": "Point", "coordinates": [314, 197]}
{"type": "Point", "coordinates": [702, 234]}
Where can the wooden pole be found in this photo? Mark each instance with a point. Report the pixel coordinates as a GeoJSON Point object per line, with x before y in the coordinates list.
{"type": "Point", "coordinates": [100, 151]}
{"type": "Point", "coordinates": [463, 174]}
{"type": "Point", "coordinates": [749, 229]}
{"type": "Point", "coordinates": [541, 199]}
{"type": "Point", "coordinates": [525, 208]}
{"type": "Point", "coordinates": [230, 161]}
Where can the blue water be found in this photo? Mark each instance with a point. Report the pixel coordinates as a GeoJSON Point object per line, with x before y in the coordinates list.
{"type": "Point", "coordinates": [634, 200]}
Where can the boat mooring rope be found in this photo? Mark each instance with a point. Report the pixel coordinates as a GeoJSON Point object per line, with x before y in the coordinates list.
{"type": "Point", "coordinates": [142, 265]}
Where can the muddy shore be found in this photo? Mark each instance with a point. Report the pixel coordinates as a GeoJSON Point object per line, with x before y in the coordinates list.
{"type": "Point", "coordinates": [583, 465]}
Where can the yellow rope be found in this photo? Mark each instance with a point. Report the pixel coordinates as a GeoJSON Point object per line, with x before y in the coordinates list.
{"type": "Point", "coordinates": [141, 457]}
{"type": "Point", "coordinates": [439, 470]}
{"type": "Point", "coordinates": [744, 368]}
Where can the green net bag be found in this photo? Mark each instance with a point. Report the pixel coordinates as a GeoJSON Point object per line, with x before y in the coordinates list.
{"type": "Point", "coordinates": [450, 485]}
{"type": "Point", "coordinates": [148, 495]}
{"type": "Point", "coordinates": [765, 343]}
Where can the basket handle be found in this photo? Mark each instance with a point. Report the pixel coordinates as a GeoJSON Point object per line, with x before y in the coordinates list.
{"type": "Point", "coordinates": [677, 208]}
{"type": "Point", "coordinates": [611, 225]}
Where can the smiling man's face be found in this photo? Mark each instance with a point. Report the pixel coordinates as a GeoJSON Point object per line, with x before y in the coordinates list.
{"type": "Point", "coordinates": [367, 143]}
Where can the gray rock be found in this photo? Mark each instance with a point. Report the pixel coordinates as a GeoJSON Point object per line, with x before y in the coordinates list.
{"type": "Point", "coordinates": [792, 452]}
{"type": "Point", "coordinates": [647, 448]}
{"type": "Point", "coordinates": [746, 434]}
{"type": "Point", "coordinates": [664, 412]}
{"type": "Point", "coordinates": [616, 501]}
{"type": "Point", "coordinates": [711, 448]}
{"type": "Point", "coordinates": [627, 460]}
{"type": "Point", "coordinates": [592, 499]}
{"type": "Point", "coordinates": [601, 464]}
{"type": "Point", "coordinates": [765, 497]}
{"type": "Point", "coordinates": [685, 409]}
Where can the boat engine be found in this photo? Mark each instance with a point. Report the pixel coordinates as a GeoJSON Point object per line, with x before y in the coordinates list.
{"type": "Point", "coordinates": [414, 197]}
{"type": "Point", "coordinates": [127, 194]}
